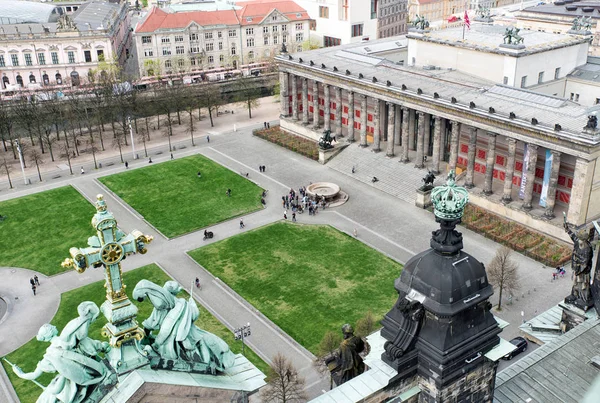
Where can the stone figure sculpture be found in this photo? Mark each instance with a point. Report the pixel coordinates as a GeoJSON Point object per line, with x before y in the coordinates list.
{"type": "Point", "coordinates": [483, 12]}
{"type": "Point", "coordinates": [73, 355]}
{"type": "Point", "coordinates": [512, 37]}
{"type": "Point", "coordinates": [325, 140]}
{"type": "Point", "coordinates": [576, 24]}
{"type": "Point", "coordinates": [428, 181]}
{"type": "Point", "coordinates": [178, 343]}
{"type": "Point", "coordinates": [592, 122]}
{"type": "Point", "coordinates": [581, 263]}
{"type": "Point", "coordinates": [420, 22]}
{"type": "Point", "coordinates": [347, 363]}
{"type": "Point", "coordinates": [586, 23]}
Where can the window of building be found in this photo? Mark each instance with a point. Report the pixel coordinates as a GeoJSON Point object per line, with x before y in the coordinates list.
{"type": "Point", "coordinates": [232, 33]}
{"type": "Point", "coordinates": [299, 26]}
{"type": "Point", "coordinates": [100, 54]}
{"type": "Point", "coordinates": [2, 61]}
{"type": "Point", "coordinates": [523, 81]}
{"type": "Point", "coordinates": [208, 35]}
{"type": "Point", "coordinates": [374, 9]}
{"type": "Point", "coordinates": [275, 40]}
{"type": "Point", "coordinates": [275, 29]}
{"type": "Point", "coordinates": [219, 34]}
{"type": "Point", "coordinates": [266, 40]}
{"type": "Point", "coordinates": [146, 39]}
{"type": "Point", "coordinates": [75, 79]}
{"type": "Point", "coordinates": [210, 47]}
{"type": "Point", "coordinates": [274, 18]}
{"type": "Point", "coordinates": [181, 63]}
{"type": "Point", "coordinates": [180, 50]}
{"type": "Point", "coordinates": [265, 30]}
{"type": "Point", "coordinates": [357, 30]}
{"type": "Point", "coordinates": [249, 31]}
{"type": "Point", "coordinates": [540, 77]}
{"type": "Point", "coordinates": [312, 25]}
{"type": "Point", "coordinates": [28, 61]}
{"type": "Point", "coordinates": [192, 61]}
{"type": "Point", "coordinates": [46, 79]}
{"type": "Point", "coordinates": [58, 78]}
{"type": "Point", "coordinates": [87, 55]}
{"type": "Point", "coordinates": [54, 56]}
{"type": "Point", "coordinates": [233, 51]}
{"type": "Point", "coordinates": [14, 59]}
{"type": "Point", "coordinates": [5, 81]}
{"type": "Point", "coordinates": [283, 28]}
{"type": "Point", "coordinates": [19, 80]}
{"type": "Point", "coordinates": [195, 49]}
{"type": "Point", "coordinates": [165, 39]}
{"type": "Point", "coordinates": [193, 37]}
{"type": "Point", "coordinates": [220, 45]}
{"type": "Point", "coordinates": [284, 39]}
{"type": "Point", "coordinates": [251, 54]}
{"type": "Point", "coordinates": [178, 38]}
{"type": "Point", "coordinates": [32, 79]}
{"type": "Point", "coordinates": [330, 41]}
{"type": "Point", "coordinates": [323, 12]}
{"type": "Point", "coordinates": [221, 58]}
{"type": "Point", "coordinates": [211, 59]}
{"type": "Point", "coordinates": [505, 80]}
{"type": "Point", "coordinates": [299, 37]}
{"type": "Point", "coordinates": [556, 73]}
{"type": "Point", "coordinates": [166, 51]}
{"type": "Point", "coordinates": [344, 11]}
{"type": "Point", "coordinates": [168, 64]}
{"type": "Point", "coordinates": [148, 53]}
{"type": "Point", "coordinates": [250, 42]}
{"type": "Point", "coordinates": [71, 57]}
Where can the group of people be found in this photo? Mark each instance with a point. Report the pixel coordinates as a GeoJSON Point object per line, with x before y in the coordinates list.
{"type": "Point", "coordinates": [267, 125]}
{"type": "Point", "coordinates": [559, 271]}
{"type": "Point", "coordinates": [35, 283]}
{"type": "Point", "coordinates": [300, 201]}
{"type": "Point", "coordinates": [262, 168]}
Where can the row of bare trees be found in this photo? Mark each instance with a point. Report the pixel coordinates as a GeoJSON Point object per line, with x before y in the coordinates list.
{"type": "Point", "coordinates": [41, 125]}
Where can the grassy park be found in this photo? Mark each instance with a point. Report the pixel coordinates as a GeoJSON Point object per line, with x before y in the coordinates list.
{"type": "Point", "coordinates": [29, 354]}
{"type": "Point", "coordinates": [172, 198]}
{"type": "Point", "coordinates": [40, 229]}
{"type": "Point", "coordinates": [307, 279]}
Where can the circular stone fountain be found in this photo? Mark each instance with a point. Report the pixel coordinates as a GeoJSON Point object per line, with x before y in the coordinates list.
{"type": "Point", "coordinates": [332, 193]}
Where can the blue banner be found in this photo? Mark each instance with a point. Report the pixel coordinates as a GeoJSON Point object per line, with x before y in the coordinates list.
{"type": "Point", "coordinates": [546, 183]}
{"type": "Point", "coordinates": [524, 172]}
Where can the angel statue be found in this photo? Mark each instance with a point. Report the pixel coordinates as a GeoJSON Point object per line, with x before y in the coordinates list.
{"type": "Point", "coordinates": [73, 355]}
{"type": "Point", "coordinates": [177, 338]}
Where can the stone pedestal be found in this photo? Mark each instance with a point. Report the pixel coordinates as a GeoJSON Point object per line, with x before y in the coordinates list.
{"type": "Point", "coordinates": [423, 199]}
{"type": "Point", "coordinates": [326, 155]}
{"type": "Point", "coordinates": [571, 317]}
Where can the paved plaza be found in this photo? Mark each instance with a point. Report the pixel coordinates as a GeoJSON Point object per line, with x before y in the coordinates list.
{"type": "Point", "coordinates": [384, 221]}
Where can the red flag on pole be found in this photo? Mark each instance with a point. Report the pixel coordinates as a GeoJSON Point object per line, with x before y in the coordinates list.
{"type": "Point", "coordinates": [467, 22]}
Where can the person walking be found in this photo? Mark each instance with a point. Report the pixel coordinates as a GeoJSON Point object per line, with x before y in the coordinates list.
{"type": "Point", "coordinates": [285, 214]}
{"type": "Point", "coordinates": [33, 288]}
{"type": "Point", "coordinates": [32, 281]}
{"type": "Point", "coordinates": [228, 192]}
{"type": "Point", "coordinates": [207, 138]}
{"type": "Point", "coordinates": [242, 223]}
{"type": "Point", "coordinates": [126, 165]}
{"type": "Point", "coordinates": [293, 217]}
{"type": "Point", "coordinates": [36, 279]}
{"type": "Point", "coordinates": [82, 171]}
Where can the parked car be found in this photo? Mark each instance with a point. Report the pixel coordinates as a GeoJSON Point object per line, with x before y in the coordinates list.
{"type": "Point", "coordinates": [521, 344]}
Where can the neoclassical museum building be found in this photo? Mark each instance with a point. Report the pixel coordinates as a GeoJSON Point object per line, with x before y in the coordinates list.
{"type": "Point", "coordinates": [441, 103]}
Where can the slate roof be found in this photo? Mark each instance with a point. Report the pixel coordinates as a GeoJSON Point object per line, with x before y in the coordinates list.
{"type": "Point", "coordinates": [570, 9]}
{"type": "Point", "coordinates": [559, 371]}
{"type": "Point", "coordinates": [588, 72]}
{"type": "Point", "coordinates": [95, 15]}
{"type": "Point", "coordinates": [525, 104]}
{"type": "Point", "coordinates": [12, 11]}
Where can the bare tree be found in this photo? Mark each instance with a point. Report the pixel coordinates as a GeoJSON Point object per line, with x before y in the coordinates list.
{"type": "Point", "coordinates": [189, 108]}
{"type": "Point", "coordinates": [285, 385]}
{"type": "Point", "coordinates": [247, 93]}
{"type": "Point", "coordinates": [328, 348]}
{"type": "Point", "coordinates": [168, 130]}
{"type": "Point", "coordinates": [7, 169]}
{"type": "Point", "coordinates": [502, 273]}
{"type": "Point", "coordinates": [143, 137]}
{"type": "Point", "coordinates": [64, 147]}
{"type": "Point", "coordinates": [119, 142]}
{"type": "Point", "coordinates": [36, 157]}
{"type": "Point", "coordinates": [211, 99]}
{"type": "Point", "coordinates": [366, 325]}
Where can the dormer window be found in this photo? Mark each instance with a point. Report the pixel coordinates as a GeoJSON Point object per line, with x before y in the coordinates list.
{"type": "Point", "coordinates": [274, 18]}
{"type": "Point", "coordinates": [249, 19]}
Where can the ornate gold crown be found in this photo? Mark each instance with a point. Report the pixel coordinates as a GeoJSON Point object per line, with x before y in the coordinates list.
{"type": "Point", "coordinates": [449, 201]}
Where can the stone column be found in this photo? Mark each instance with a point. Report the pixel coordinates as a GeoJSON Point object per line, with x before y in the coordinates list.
{"type": "Point", "coordinates": [454, 145]}
{"type": "Point", "coordinates": [551, 196]}
{"type": "Point", "coordinates": [411, 129]}
{"type": "Point", "coordinates": [315, 104]}
{"type": "Point", "coordinates": [397, 124]}
{"type": "Point", "coordinates": [420, 141]}
{"type": "Point", "coordinates": [471, 158]}
{"type": "Point", "coordinates": [284, 94]}
{"type": "Point", "coordinates": [305, 101]}
{"type": "Point", "coordinates": [437, 140]}
{"type": "Point", "coordinates": [338, 112]}
{"type": "Point", "coordinates": [350, 116]}
{"type": "Point", "coordinates": [530, 176]}
{"type": "Point", "coordinates": [391, 133]}
{"type": "Point", "coordinates": [427, 131]}
{"type": "Point", "coordinates": [363, 120]}
{"type": "Point", "coordinates": [377, 127]}
{"type": "Point", "coordinates": [294, 98]}
{"type": "Point", "coordinates": [490, 163]}
{"type": "Point", "coordinates": [327, 108]}
{"type": "Point", "coordinates": [510, 171]}
{"type": "Point", "coordinates": [405, 137]}
{"type": "Point", "coordinates": [580, 192]}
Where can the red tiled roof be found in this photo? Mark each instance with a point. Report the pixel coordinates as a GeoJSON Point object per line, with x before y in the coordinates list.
{"type": "Point", "coordinates": [257, 10]}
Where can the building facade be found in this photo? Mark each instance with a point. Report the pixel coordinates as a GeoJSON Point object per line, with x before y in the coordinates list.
{"type": "Point", "coordinates": [391, 19]}
{"type": "Point", "coordinates": [62, 53]}
{"type": "Point", "coordinates": [525, 156]}
{"type": "Point", "coordinates": [169, 43]}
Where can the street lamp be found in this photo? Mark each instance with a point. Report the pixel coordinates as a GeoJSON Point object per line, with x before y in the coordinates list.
{"type": "Point", "coordinates": [241, 333]}
{"type": "Point", "coordinates": [21, 160]}
{"type": "Point", "coordinates": [131, 134]}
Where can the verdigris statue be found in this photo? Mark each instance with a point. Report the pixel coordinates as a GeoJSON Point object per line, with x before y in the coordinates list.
{"type": "Point", "coordinates": [420, 22]}
{"type": "Point", "coordinates": [512, 37]}
{"type": "Point", "coordinates": [74, 356]}
{"type": "Point", "coordinates": [178, 343]}
{"type": "Point", "coordinates": [581, 263]}
{"type": "Point", "coordinates": [347, 362]}
{"type": "Point", "coordinates": [325, 140]}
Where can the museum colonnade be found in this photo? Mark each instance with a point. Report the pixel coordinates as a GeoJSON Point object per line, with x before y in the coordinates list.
{"type": "Point", "coordinates": [418, 137]}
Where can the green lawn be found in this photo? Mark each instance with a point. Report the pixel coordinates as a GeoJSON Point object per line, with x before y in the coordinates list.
{"type": "Point", "coordinates": [173, 199]}
{"type": "Point", "coordinates": [41, 228]}
{"type": "Point", "coordinates": [29, 354]}
{"type": "Point", "coordinates": [308, 279]}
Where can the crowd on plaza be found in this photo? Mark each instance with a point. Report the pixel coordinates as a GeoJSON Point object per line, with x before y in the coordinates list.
{"type": "Point", "coordinates": [300, 201]}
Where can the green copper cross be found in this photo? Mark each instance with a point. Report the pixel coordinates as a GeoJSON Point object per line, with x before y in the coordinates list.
{"type": "Point", "coordinates": [108, 248]}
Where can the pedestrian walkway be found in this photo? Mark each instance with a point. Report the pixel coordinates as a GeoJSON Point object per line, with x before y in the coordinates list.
{"type": "Point", "coordinates": [396, 178]}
